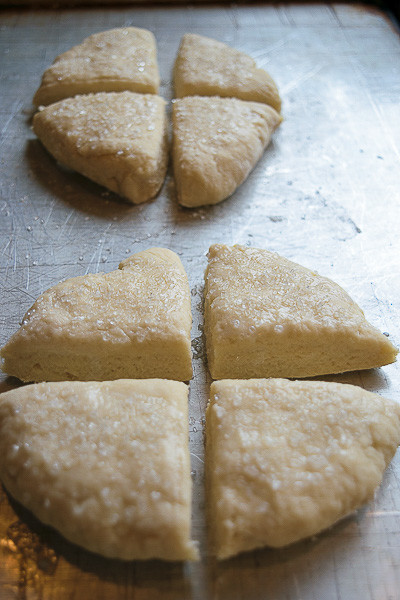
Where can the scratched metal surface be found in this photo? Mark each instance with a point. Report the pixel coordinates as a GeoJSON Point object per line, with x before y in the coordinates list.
{"type": "Point", "coordinates": [326, 194]}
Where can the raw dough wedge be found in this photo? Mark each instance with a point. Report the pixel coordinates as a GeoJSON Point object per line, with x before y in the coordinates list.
{"type": "Point", "coordinates": [266, 316]}
{"type": "Point", "coordinates": [118, 140]}
{"type": "Point", "coordinates": [216, 143]}
{"type": "Point", "coordinates": [109, 61]}
{"type": "Point", "coordinates": [131, 323]}
{"type": "Point", "coordinates": [206, 67]}
{"type": "Point", "coordinates": [106, 464]}
{"type": "Point", "coordinates": [285, 460]}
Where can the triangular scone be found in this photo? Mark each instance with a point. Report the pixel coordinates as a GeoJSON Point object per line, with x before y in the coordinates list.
{"type": "Point", "coordinates": [217, 142]}
{"type": "Point", "coordinates": [109, 61]}
{"type": "Point", "coordinates": [206, 67]}
{"type": "Point", "coordinates": [287, 459]}
{"type": "Point", "coordinates": [131, 323]}
{"type": "Point", "coordinates": [266, 316]}
{"type": "Point", "coordinates": [118, 140]}
{"type": "Point", "coordinates": [106, 464]}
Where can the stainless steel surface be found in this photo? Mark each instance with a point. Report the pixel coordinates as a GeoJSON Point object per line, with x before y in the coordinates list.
{"type": "Point", "coordinates": [325, 194]}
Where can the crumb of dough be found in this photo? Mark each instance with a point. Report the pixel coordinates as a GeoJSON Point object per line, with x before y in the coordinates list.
{"type": "Point", "coordinates": [118, 140]}
{"type": "Point", "coordinates": [287, 459]}
{"type": "Point", "coordinates": [216, 143]}
{"type": "Point", "coordinates": [106, 464]}
{"type": "Point", "coordinates": [110, 61]}
{"type": "Point", "coordinates": [130, 323]}
{"type": "Point", "coordinates": [266, 316]}
{"type": "Point", "coordinates": [207, 67]}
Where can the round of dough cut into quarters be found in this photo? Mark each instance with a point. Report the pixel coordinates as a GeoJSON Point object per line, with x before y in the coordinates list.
{"type": "Point", "coordinates": [216, 143]}
{"type": "Point", "coordinates": [123, 59]}
{"type": "Point", "coordinates": [266, 316]}
{"type": "Point", "coordinates": [106, 464]}
{"type": "Point", "coordinates": [207, 67]}
{"type": "Point", "coordinates": [118, 140]}
{"type": "Point", "coordinates": [287, 459]}
{"type": "Point", "coordinates": [131, 323]}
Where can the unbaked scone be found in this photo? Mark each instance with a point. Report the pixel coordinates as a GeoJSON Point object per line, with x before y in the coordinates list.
{"type": "Point", "coordinates": [266, 316]}
{"type": "Point", "coordinates": [131, 323]}
{"type": "Point", "coordinates": [118, 140]}
{"type": "Point", "coordinates": [110, 61]}
{"type": "Point", "coordinates": [287, 459]}
{"type": "Point", "coordinates": [106, 464]}
{"type": "Point", "coordinates": [206, 67]}
{"type": "Point", "coordinates": [216, 143]}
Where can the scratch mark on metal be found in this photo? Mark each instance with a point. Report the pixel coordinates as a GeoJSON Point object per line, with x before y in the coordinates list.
{"type": "Point", "coordinates": [301, 79]}
{"type": "Point", "coordinates": [198, 457]}
{"type": "Point", "coordinates": [66, 221]}
{"type": "Point", "coordinates": [272, 47]}
{"type": "Point", "coordinates": [50, 211]}
{"type": "Point", "coordinates": [14, 111]}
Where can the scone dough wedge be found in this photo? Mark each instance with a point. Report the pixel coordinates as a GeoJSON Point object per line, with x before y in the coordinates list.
{"type": "Point", "coordinates": [110, 61]}
{"type": "Point", "coordinates": [216, 143]}
{"type": "Point", "coordinates": [207, 67]}
{"type": "Point", "coordinates": [130, 323]}
{"type": "Point", "coordinates": [118, 140]}
{"type": "Point", "coordinates": [287, 459]}
{"type": "Point", "coordinates": [106, 464]}
{"type": "Point", "coordinates": [266, 316]}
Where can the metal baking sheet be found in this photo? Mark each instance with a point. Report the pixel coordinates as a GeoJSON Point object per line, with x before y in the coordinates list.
{"type": "Point", "coordinates": [325, 194]}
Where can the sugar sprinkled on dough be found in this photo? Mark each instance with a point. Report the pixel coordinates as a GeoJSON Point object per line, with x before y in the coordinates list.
{"type": "Point", "coordinates": [114, 60]}
{"type": "Point", "coordinates": [287, 459]}
{"type": "Point", "coordinates": [107, 464]}
{"type": "Point", "coordinates": [132, 322]}
{"type": "Point", "coordinates": [217, 142]}
{"type": "Point", "coordinates": [207, 67]}
{"type": "Point", "coordinates": [118, 140]}
{"type": "Point", "coordinates": [266, 316]}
